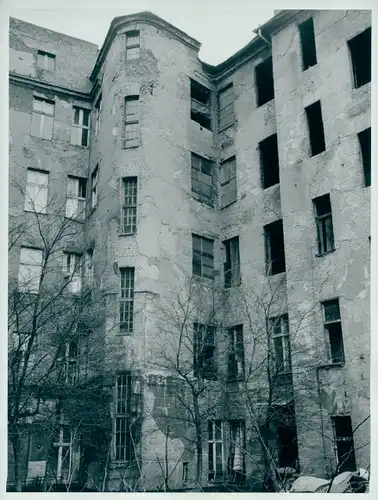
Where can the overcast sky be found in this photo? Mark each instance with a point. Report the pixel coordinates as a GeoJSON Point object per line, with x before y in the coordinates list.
{"type": "Point", "coordinates": [221, 27]}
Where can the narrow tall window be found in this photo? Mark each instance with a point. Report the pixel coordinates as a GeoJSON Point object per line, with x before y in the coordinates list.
{"type": "Point", "coordinates": [333, 331]}
{"type": "Point", "coordinates": [61, 453]}
{"type": "Point", "coordinates": [264, 81]}
{"type": "Point", "coordinates": [360, 52]}
{"type": "Point", "coordinates": [226, 116]}
{"type": "Point", "coordinates": [307, 37]}
{"type": "Point", "coordinates": [215, 450]}
{"type": "Point", "coordinates": [88, 267]}
{"type": "Point", "coordinates": [270, 169]}
{"type": "Point", "coordinates": [132, 45]}
{"type": "Point", "coordinates": [68, 363]}
{"type": "Point", "coordinates": [72, 271]}
{"type": "Point", "coordinates": [76, 193]}
{"type": "Point", "coordinates": [132, 125]}
{"type": "Point", "coordinates": [228, 184]}
{"type": "Point", "coordinates": [36, 191]}
{"type": "Point", "coordinates": [185, 472]}
{"type": "Point", "coordinates": [279, 330]}
{"type": "Point", "coordinates": [274, 248]}
{"type": "Point", "coordinates": [200, 104]}
{"type": "Point", "coordinates": [123, 442]}
{"type": "Point", "coordinates": [80, 127]}
{"type": "Point", "coordinates": [287, 442]}
{"type": "Point", "coordinates": [364, 138]}
{"type": "Point", "coordinates": [202, 178]}
{"type": "Point", "coordinates": [344, 443]}
{"type": "Point", "coordinates": [236, 451]}
{"type": "Point", "coordinates": [324, 225]}
{"type": "Point", "coordinates": [94, 183]}
{"type": "Point", "coordinates": [129, 207]}
{"type": "Point", "coordinates": [126, 302]}
{"type": "Point", "coordinates": [204, 364]}
{"type": "Point", "coordinates": [235, 367]}
{"type": "Point", "coordinates": [30, 269]}
{"type": "Point", "coordinates": [315, 128]}
{"type": "Point", "coordinates": [46, 61]}
{"type": "Point", "coordinates": [232, 262]}
{"type": "Point", "coordinates": [42, 118]}
{"type": "Point", "coordinates": [203, 256]}
{"type": "Point", "coordinates": [98, 107]}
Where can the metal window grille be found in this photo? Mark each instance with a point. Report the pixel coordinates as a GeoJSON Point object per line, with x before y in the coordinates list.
{"type": "Point", "coordinates": [129, 207]}
{"type": "Point", "coordinates": [123, 438]}
{"type": "Point", "coordinates": [126, 303]}
{"type": "Point", "coordinates": [132, 125]}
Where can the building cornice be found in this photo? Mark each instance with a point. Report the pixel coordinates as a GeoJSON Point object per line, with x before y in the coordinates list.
{"type": "Point", "coordinates": [140, 17]}
{"type": "Point", "coordinates": [37, 84]}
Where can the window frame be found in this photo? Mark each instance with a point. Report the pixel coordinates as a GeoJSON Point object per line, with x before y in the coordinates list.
{"type": "Point", "coordinates": [197, 173]}
{"type": "Point", "coordinates": [129, 205]}
{"type": "Point", "coordinates": [343, 439]}
{"type": "Point", "coordinates": [235, 425]}
{"type": "Point", "coordinates": [132, 46]}
{"type": "Point", "coordinates": [42, 115]}
{"type": "Point", "coordinates": [213, 474]}
{"type": "Point", "coordinates": [357, 83]}
{"type": "Point", "coordinates": [304, 44]}
{"type": "Point", "coordinates": [283, 321]}
{"type": "Point", "coordinates": [132, 123]}
{"type": "Point", "coordinates": [269, 260]}
{"type": "Point", "coordinates": [42, 188]}
{"type": "Point", "coordinates": [261, 70]}
{"type": "Point", "coordinates": [321, 227]}
{"type": "Point", "coordinates": [267, 159]}
{"type": "Point", "coordinates": [47, 56]}
{"type": "Point", "coordinates": [236, 354]}
{"type": "Point", "coordinates": [201, 255]}
{"type": "Point", "coordinates": [204, 118]}
{"type": "Point", "coordinates": [60, 445]}
{"type": "Point", "coordinates": [35, 287]}
{"type": "Point", "coordinates": [79, 128]}
{"type": "Point", "coordinates": [327, 324]}
{"type": "Point", "coordinates": [122, 416]}
{"type": "Point", "coordinates": [81, 200]}
{"type": "Point", "coordinates": [226, 180]}
{"type": "Point", "coordinates": [98, 113]}
{"type": "Point", "coordinates": [72, 271]}
{"type": "Point", "coordinates": [316, 134]}
{"type": "Point", "coordinates": [126, 299]}
{"type": "Point", "coordinates": [221, 92]}
{"type": "Point", "coordinates": [204, 366]}
{"type": "Point", "coordinates": [231, 267]}
{"type": "Point", "coordinates": [94, 184]}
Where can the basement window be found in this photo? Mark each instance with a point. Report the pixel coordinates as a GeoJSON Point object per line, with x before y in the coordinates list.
{"type": "Point", "coordinates": [308, 47]}
{"type": "Point", "coordinates": [333, 331]}
{"type": "Point", "coordinates": [264, 81]}
{"type": "Point", "coordinates": [226, 117]}
{"type": "Point", "coordinates": [232, 262]}
{"type": "Point", "coordinates": [360, 52]}
{"type": "Point", "coordinates": [202, 178]}
{"type": "Point", "coordinates": [315, 128]}
{"type": "Point", "coordinates": [46, 61]}
{"type": "Point", "coordinates": [274, 248]}
{"type": "Point", "coordinates": [344, 444]}
{"type": "Point", "coordinates": [228, 182]}
{"type": "Point", "coordinates": [204, 365]}
{"type": "Point", "coordinates": [324, 225]}
{"type": "Point", "coordinates": [270, 170]}
{"type": "Point", "coordinates": [200, 107]}
{"type": "Point", "coordinates": [364, 138]}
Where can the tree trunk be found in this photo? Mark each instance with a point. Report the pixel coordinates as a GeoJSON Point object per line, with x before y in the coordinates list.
{"type": "Point", "coordinates": [16, 445]}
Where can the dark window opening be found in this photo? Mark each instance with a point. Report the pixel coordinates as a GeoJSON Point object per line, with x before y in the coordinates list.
{"type": "Point", "coordinates": [360, 51]}
{"type": "Point", "coordinates": [315, 127]}
{"type": "Point", "coordinates": [334, 334]}
{"type": "Point", "coordinates": [232, 262]}
{"type": "Point", "coordinates": [307, 37]}
{"type": "Point", "coordinates": [204, 365]}
{"type": "Point", "coordinates": [274, 248]}
{"type": "Point", "coordinates": [264, 81]}
{"type": "Point", "coordinates": [270, 169]}
{"type": "Point", "coordinates": [236, 366]}
{"type": "Point", "coordinates": [324, 224]}
{"type": "Point", "coordinates": [200, 109]}
{"type": "Point", "coordinates": [343, 435]}
{"type": "Point", "coordinates": [202, 178]}
{"type": "Point", "coordinates": [364, 138]}
{"type": "Point", "coordinates": [287, 438]}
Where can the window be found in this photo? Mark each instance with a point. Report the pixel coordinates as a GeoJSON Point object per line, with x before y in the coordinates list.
{"type": "Point", "coordinates": [94, 182]}
{"type": "Point", "coordinates": [344, 444]}
{"type": "Point", "coordinates": [215, 450]}
{"type": "Point", "coordinates": [236, 451]}
{"type": "Point", "coordinates": [76, 192]}
{"type": "Point", "coordinates": [235, 353]}
{"type": "Point", "coordinates": [333, 331]}
{"type": "Point", "coordinates": [88, 267]}
{"type": "Point", "coordinates": [129, 207]}
{"type": "Point", "coordinates": [307, 37]}
{"type": "Point", "coordinates": [286, 436]}
{"type": "Point", "coordinates": [62, 457]}
{"type": "Point", "coordinates": [360, 52]}
{"type": "Point", "coordinates": [124, 449]}
{"type": "Point", "coordinates": [202, 178]}
{"type": "Point", "coordinates": [36, 191]}
{"type": "Point", "coordinates": [46, 61]}
{"type": "Point", "coordinates": [42, 118]}
{"type": "Point", "coordinates": [203, 256]}
{"type": "Point", "coordinates": [324, 224]}
{"type": "Point", "coordinates": [279, 330]}
{"type": "Point", "coordinates": [264, 81]}
{"type": "Point", "coordinates": [315, 127]}
{"type": "Point", "coordinates": [68, 363]}
{"type": "Point", "coordinates": [200, 104]}
{"type": "Point", "coordinates": [80, 127]}
{"type": "Point", "coordinates": [274, 248]}
{"type": "Point", "coordinates": [204, 365]}
{"type": "Point", "coordinates": [228, 182]}
{"type": "Point", "coordinates": [132, 45]}
{"type": "Point", "coordinates": [72, 271]}
{"type": "Point", "coordinates": [270, 169]}
{"type": "Point", "coordinates": [132, 126]}
{"type": "Point", "coordinates": [364, 138]}
{"type": "Point", "coordinates": [226, 116]}
{"type": "Point", "coordinates": [232, 262]}
{"type": "Point", "coordinates": [185, 472]}
{"type": "Point", "coordinates": [126, 303]}
{"type": "Point", "coordinates": [30, 269]}
{"type": "Point", "coordinates": [98, 107]}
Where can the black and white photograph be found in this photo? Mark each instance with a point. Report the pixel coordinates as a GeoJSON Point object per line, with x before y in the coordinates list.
{"type": "Point", "coordinates": [189, 247]}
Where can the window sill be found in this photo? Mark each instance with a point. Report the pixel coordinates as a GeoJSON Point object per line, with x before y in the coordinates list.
{"type": "Point", "coordinates": [235, 380]}
{"type": "Point", "coordinates": [196, 197]}
{"type": "Point", "coordinates": [228, 204]}
{"type": "Point", "coordinates": [130, 147]}
{"type": "Point", "coordinates": [226, 128]}
{"type": "Point", "coordinates": [325, 253]}
{"type": "Point", "coordinates": [266, 102]}
{"type": "Point", "coordinates": [81, 146]}
{"type": "Point", "coordinates": [75, 220]}
{"type": "Point", "coordinates": [127, 234]}
{"type": "Point", "coordinates": [35, 212]}
{"type": "Point", "coordinates": [331, 365]}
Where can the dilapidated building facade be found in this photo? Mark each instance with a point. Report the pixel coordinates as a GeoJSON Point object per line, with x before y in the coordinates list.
{"type": "Point", "coordinates": [220, 217]}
